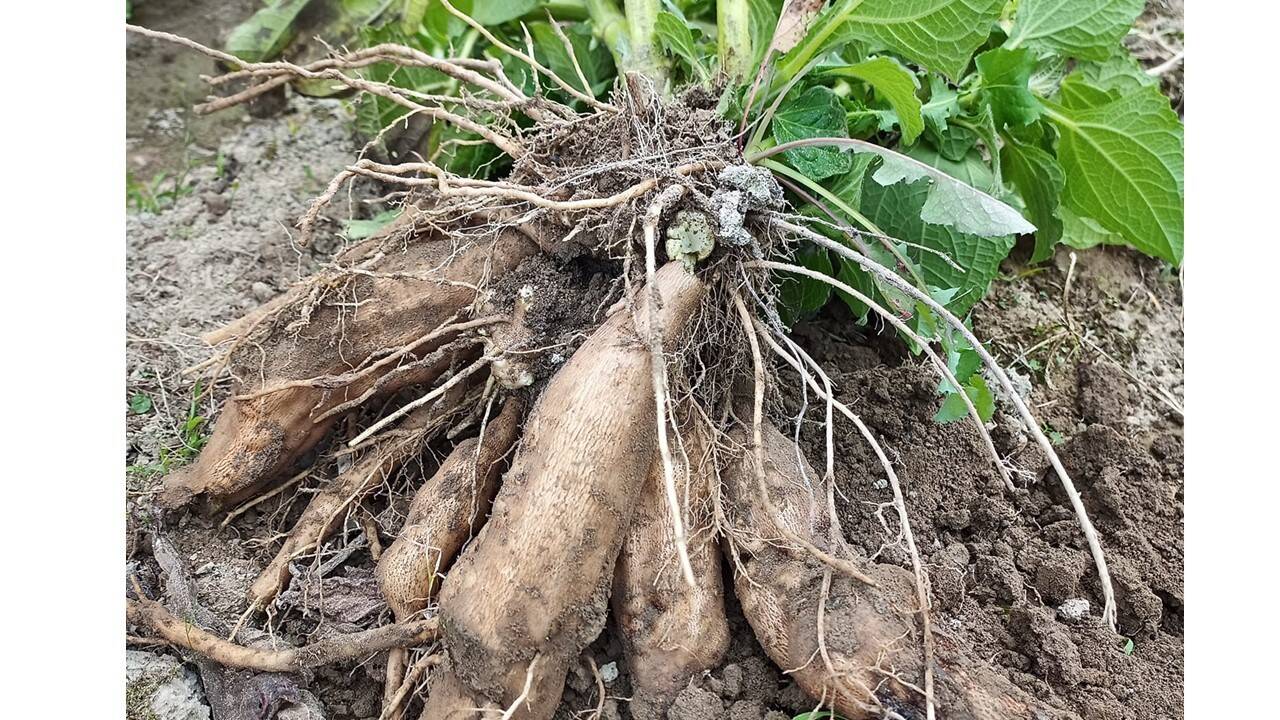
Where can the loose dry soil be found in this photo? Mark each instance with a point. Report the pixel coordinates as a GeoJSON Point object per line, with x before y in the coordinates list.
{"type": "Point", "coordinates": [1102, 368]}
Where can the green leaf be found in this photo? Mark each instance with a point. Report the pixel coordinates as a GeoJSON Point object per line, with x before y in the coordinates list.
{"type": "Point", "coordinates": [950, 202]}
{"type": "Point", "coordinates": [940, 35]}
{"type": "Point", "coordinates": [970, 169]}
{"type": "Point", "coordinates": [412, 15]}
{"type": "Point", "coordinates": [1077, 94]}
{"type": "Point", "coordinates": [816, 113]}
{"type": "Point", "coordinates": [953, 407]}
{"type": "Point", "coordinates": [140, 404]}
{"type": "Point", "coordinates": [1083, 233]}
{"type": "Point", "coordinates": [801, 295]}
{"type": "Point", "coordinates": [942, 104]}
{"type": "Point", "coordinates": [266, 32]}
{"type": "Point", "coordinates": [1006, 75]}
{"type": "Point", "coordinates": [593, 56]}
{"type": "Point", "coordinates": [1048, 75]}
{"type": "Point", "coordinates": [1085, 29]}
{"type": "Point", "coordinates": [1038, 178]}
{"type": "Point", "coordinates": [895, 84]}
{"type": "Point", "coordinates": [373, 112]}
{"type": "Point", "coordinates": [361, 229]}
{"type": "Point", "coordinates": [1123, 167]}
{"type": "Point", "coordinates": [1118, 73]}
{"type": "Point", "coordinates": [496, 12]}
{"type": "Point", "coordinates": [762, 19]}
{"type": "Point", "coordinates": [469, 157]}
{"type": "Point", "coordinates": [677, 39]}
{"type": "Point", "coordinates": [953, 143]}
{"type": "Point", "coordinates": [897, 208]}
{"type": "Point", "coordinates": [848, 187]}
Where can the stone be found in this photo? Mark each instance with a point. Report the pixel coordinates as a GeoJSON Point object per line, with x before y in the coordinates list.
{"type": "Point", "coordinates": [1074, 610]}
{"type": "Point", "coordinates": [160, 687]}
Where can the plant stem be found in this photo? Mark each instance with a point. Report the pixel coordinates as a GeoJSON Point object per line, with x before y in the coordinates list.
{"type": "Point", "coordinates": [733, 34]}
{"type": "Point", "coordinates": [611, 26]}
{"type": "Point", "coordinates": [646, 57]}
{"type": "Point", "coordinates": [560, 10]}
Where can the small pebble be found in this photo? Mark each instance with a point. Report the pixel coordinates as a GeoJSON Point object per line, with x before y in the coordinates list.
{"type": "Point", "coordinates": [609, 672]}
{"type": "Point", "coordinates": [262, 291]}
{"type": "Point", "coordinates": [1074, 610]}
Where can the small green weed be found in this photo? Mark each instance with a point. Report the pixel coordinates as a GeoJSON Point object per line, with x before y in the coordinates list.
{"type": "Point", "coordinates": [140, 404]}
{"type": "Point", "coordinates": [191, 435]}
{"type": "Point", "coordinates": [156, 194]}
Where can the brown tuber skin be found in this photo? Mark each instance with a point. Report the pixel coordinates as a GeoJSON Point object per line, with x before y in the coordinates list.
{"type": "Point", "coordinates": [327, 509]}
{"type": "Point", "coordinates": [871, 636]}
{"type": "Point", "coordinates": [534, 586]}
{"type": "Point", "coordinates": [671, 632]}
{"type": "Point", "coordinates": [447, 510]}
{"type": "Point", "coordinates": [256, 440]}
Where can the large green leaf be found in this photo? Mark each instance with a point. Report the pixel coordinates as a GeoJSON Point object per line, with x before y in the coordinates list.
{"type": "Point", "coordinates": [970, 168]}
{"type": "Point", "coordinates": [949, 201]}
{"type": "Point", "coordinates": [896, 209]}
{"type": "Point", "coordinates": [1076, 93]}
{"type": "Point", "coordinates": [1086, 29]}
{"type": "Point", "coordinates": [941, 35]}
{"type": "Point", "coordinates": [1006, 75]}
{"type": "Point", "coordinates": [1039, 180]}
{"type": "Point", "coordinates": [895, 84]}
{"type": "Point", "coordinates": [1123, 166]}
{"type": "Point", "coordinates": [266, 32]}
{"type": "Point", "coordinates": [816, 113]}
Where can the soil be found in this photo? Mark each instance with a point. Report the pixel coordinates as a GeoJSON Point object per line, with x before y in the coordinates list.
{"type": "Point", "coordinates": [1010, 573]}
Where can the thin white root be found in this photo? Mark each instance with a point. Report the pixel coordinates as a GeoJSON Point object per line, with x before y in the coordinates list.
{"type": "Point", "coordinates": [524, 694]}
{"type": "Point", "coordinates": [899, 501]}
{"type": "Point", "coordinates": [757, 442]}
{"type": "Point", "coordinates": [461, 375]}
{"type": "Point", "coordinates": [1077, 504]}
{"type": "Point", "coordinates": [920, 342]}
{"type": "Point", "coordinates": [658, 371]}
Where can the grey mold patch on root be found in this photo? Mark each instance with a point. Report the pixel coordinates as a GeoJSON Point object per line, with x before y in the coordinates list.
{"type": "Point", "coordinates": [742, 189]}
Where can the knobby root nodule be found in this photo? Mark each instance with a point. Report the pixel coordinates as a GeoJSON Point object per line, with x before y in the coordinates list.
{"type": "Point", "coordinates": [600, 393]}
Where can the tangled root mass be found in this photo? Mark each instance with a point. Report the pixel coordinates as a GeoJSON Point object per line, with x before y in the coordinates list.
{"type": "Point", "coordinates": [574, 336]}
